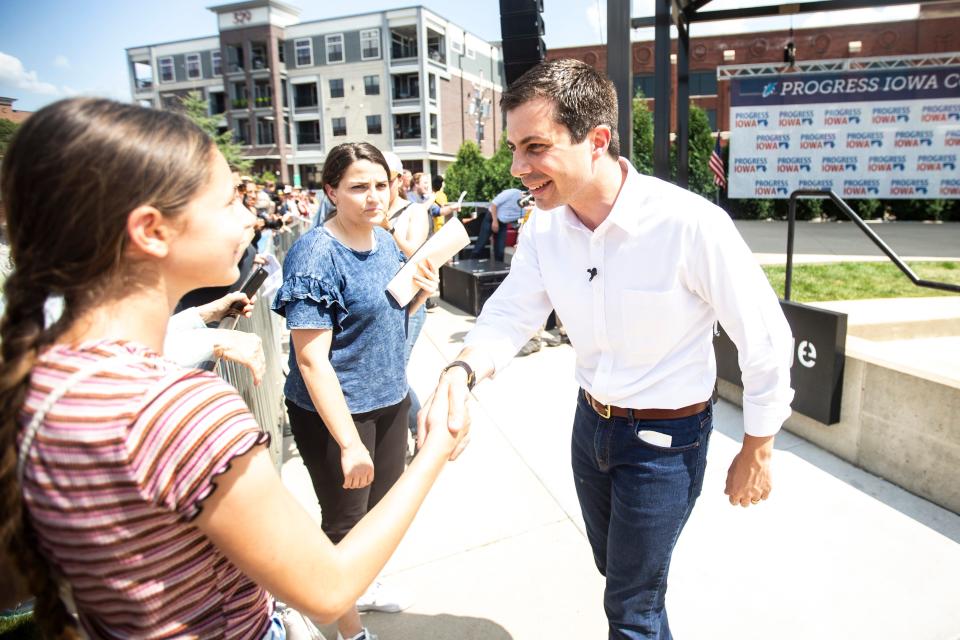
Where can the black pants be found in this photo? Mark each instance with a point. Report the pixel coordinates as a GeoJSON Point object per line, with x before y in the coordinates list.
{"type": "Point", "coordinates": [384, 434]}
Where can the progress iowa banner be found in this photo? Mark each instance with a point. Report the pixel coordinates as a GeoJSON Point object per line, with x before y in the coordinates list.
{"type": "Point", "coordinates": [864, 134]}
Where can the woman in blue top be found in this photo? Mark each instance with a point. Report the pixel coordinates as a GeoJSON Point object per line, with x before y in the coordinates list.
{"type": "Point", "coordinates": [347, 393]}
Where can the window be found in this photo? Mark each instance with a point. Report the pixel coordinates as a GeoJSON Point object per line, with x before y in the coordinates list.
{"type": "Point", "coordinates": [457, 47]}
{"type": "Point", "coordinates": [712, 117]}
{"type": "Point", "coordinates": [374, 125]}
{"type": "Point", "coordinates": [239, 95]}
{"type": "Point", "coordinates": [334, 45]}
{"type": "Point", "coordinates": [432, 86]}
{"type": "Point", "coordinates": [218, 103]}
{"type": "Point", "coordinates": [258, 55]}
{"type": "Point", "coordinates": [406, 126]}
{"type": "Point", "coordinates": [234, 58]}
{"type": "Point", "coordinates": [371, 85]}
{"type": "Point", "coordinates": [264, 131]}
{"type": "Point", "coordinates": [403, 42]}
{"type": "Point", "coordinates": [281, 53]}
{"type": "Point", "coordinates": [703, 83]}
{"type": "Point", "coordinates": [369, 44]}
{"type": "Point", "coordinates": [433, 127]}
{"type": "Point", "coordinates": [339, 126]}
{"type": "Point", "coordinates": [304, 95]}
{"type": "Point", "coordinates": [193, 66]}
{"type": "Point", "coordinates": [471, 53]}
{"type": "Point", "coordinates": [166, 69]}
{"type": "Point", "coordinates": [303, 50]}
{"type": "Point", "coordinates": [241, 131]}
{"type": "Point", "coordinates": [263, 94]}
{"type": "Point", "coordinates": [336, 87]}
{"type": "Point", "coordinates": [216, 63]}
{"type": "Point", "coordinates": [645, 84]}
{"type": "Point", "coordinates": [406, 86]}
{"type": "Point", "coordinates": [436, 47]}
{"type": "Point", "coordinates": [308, 132]}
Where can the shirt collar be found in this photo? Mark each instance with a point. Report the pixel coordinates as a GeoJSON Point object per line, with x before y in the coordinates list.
{"type": "Point", "coordinates": [626, 208]}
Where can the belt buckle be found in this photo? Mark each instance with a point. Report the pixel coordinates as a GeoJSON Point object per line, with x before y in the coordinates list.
{"type": "Point", "coordinates": [605, 414]}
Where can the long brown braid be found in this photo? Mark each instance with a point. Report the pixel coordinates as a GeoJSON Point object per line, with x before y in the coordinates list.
{"type": "Point", "coordinates": [72, 174]}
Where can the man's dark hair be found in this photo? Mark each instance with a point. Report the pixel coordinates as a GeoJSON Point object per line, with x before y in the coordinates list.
{"type": "Point", "coordinates": [583, 97]}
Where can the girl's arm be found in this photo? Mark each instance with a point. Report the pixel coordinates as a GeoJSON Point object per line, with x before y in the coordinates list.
{"type": "Point", "coordinates": [256, 523]}
{"type": "Point", "coordinates": [312, 347]}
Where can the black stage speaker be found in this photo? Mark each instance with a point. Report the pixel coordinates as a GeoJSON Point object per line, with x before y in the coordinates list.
{"type": "Point", "coordinates": [521, 31]}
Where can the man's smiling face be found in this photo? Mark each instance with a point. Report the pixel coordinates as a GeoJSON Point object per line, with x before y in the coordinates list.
{"type": "Point", "coordinates": [552, 166]}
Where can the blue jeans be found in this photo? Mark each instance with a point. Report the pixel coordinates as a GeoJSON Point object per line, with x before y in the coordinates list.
{"type": "Point", "coordinates": [414, 326]}
{"type": "Point", "coordinates": [500, 242]}
{"type": "Point", "coordinates": [636, 498]}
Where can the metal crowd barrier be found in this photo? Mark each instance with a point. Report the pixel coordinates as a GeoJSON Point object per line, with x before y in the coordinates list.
{"type": "Point", "coordinates": [266, 400]}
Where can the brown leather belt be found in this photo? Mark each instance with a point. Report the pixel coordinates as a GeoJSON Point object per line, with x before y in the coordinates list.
{"type": "Point", "coordinates": [607, 411]}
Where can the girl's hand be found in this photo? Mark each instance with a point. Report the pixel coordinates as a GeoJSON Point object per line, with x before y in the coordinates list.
{"type": "Point", "coordinates": [357, 466]}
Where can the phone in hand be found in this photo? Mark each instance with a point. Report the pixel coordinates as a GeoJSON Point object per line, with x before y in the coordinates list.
{"type": "Point", "coordinates": [250, 286]}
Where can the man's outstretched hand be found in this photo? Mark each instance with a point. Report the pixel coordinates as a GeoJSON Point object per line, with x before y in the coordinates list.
{"type": "Point", "coordinates": [447, 409]}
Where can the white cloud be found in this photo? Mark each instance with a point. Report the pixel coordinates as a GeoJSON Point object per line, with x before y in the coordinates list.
{"type": "Point", "coordinates": [70, 91]}
{"type": "Point", "coordinates": [62, 62]}
{"type": "Point", "coordinates": [13, 73]}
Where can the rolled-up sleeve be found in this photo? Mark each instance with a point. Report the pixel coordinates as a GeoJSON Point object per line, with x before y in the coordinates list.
{"type": "Point", "coordinates": [726, 275]}
{"type": "Point", "coordinates": [516, 310]}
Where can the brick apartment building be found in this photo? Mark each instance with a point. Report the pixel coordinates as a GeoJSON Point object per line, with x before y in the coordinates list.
{"type": "Point", "coordinates": [7, 112]}
{"type": "Point", "coordinates": [402, 79]}
{"type": "Point", "coordinates": [937, 30]}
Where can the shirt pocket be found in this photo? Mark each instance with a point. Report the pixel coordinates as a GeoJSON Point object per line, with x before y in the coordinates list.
{"type": "Point", "coordinates": [653, 323]}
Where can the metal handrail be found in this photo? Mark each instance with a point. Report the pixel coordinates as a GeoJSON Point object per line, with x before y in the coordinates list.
{"type": "Point", "coordinates": [845, 208]}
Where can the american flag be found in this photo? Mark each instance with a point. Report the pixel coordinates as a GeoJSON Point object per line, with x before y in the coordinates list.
{"type": "Point", "coordinates": [716, 166]}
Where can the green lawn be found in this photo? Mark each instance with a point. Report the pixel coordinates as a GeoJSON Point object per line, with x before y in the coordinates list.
{"type": "Point", "coordinates": [861, 280]}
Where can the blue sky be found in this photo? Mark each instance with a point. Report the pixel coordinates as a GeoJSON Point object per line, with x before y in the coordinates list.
{"type": "Point", "coordinates": [50, 49]}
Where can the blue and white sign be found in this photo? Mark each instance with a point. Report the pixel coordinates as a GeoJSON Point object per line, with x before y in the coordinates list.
{"type": "Point", "coordinates": [891, 133]}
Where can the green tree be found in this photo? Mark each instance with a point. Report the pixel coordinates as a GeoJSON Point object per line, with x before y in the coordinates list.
{"type": "Point", "coordinates": [642, 152]}
{"type": "Point", "coordinates": [496, 172]}
{"type": "Point", "coordinates": [699, 147]}
{"type": "Point", "coordinates": [466, 172]}
{"type": "Point", "coordinates": [197, 109]}
{"type": "Point", "coordinates": [7, 129]}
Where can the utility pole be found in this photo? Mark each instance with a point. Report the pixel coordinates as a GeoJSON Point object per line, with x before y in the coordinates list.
{"type": "Point", "coordinates": [478, 108]}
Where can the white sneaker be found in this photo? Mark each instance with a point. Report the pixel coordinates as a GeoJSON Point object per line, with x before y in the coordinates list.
{"type": "Point", "coordinates": [380, 597]}
{"type": "Point", "coordinates": [366, 634]}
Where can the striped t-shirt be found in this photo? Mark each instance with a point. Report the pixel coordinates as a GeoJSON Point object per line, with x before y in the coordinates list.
{"type": "Point", "coordinates": [114, 478]}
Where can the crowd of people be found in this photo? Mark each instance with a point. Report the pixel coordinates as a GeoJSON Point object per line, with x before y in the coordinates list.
{"type": "Point", "coordinates": [137, 495]}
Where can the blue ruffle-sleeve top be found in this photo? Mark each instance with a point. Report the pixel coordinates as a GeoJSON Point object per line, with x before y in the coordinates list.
{"type": "Point", "coordinates": [327, 285]}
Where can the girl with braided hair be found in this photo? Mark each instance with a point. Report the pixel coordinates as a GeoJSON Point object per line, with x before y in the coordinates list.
{"type": "Point", "coordinates": [144, 487]}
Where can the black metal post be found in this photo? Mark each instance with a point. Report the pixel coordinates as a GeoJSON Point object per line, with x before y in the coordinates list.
{"type": "Point", "coordinates": [619, 69]}
{"type": "Point", "coordinates": [661, 92]}
{"type": "Point", "coordinates": [683, 102]}
{"type": "Point", "coordinates": [791, 222]}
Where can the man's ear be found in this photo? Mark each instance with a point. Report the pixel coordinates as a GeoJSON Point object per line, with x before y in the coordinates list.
{"type": "Point", "coordinates": [150, 232]}
{"type": "Point", "coordinates": [600, 140]}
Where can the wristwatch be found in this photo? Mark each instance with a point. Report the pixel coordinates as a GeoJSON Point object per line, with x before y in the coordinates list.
{"type": "Point", "coordinates": [471, 376]}
{"type": "Point", "coordinates": [392, 230]}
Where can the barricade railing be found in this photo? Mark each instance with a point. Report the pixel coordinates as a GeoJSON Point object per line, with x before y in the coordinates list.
{"type": "Point", "coordinates": [266, 399]}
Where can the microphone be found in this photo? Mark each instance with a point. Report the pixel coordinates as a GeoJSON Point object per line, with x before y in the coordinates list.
{"type": "Point", "coordinates": [593, 273]}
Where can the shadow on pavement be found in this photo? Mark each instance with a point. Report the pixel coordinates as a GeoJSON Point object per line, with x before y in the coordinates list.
{"type": "Point", "coordinates": [924, 512]}
{"type": "Point", "coordinates": [426, 627]}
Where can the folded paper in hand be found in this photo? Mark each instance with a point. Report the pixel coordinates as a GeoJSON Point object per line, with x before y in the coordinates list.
{"type": "Point", "coordinates": [439, 248]}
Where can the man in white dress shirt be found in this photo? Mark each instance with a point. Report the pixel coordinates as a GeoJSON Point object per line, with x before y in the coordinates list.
{"type": "Point", "coordinates": [640, 271]}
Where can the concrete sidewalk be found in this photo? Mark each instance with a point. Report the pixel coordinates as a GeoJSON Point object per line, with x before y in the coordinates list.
{"type": "Point", "coordinates": [498, 550]}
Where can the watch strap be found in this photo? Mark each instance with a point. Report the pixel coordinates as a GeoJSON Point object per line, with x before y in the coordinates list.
{"type": "Point", "coordinates": [471, 376]}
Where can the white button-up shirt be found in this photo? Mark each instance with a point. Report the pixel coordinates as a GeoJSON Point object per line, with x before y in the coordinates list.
{"type": "Point", "coordinates": [668, 266]}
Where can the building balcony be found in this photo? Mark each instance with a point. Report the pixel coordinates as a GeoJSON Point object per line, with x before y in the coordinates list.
{"type": "Point", "coordinates": [406, 102]}
{"type": "Point", "coordinates": [407, 142]}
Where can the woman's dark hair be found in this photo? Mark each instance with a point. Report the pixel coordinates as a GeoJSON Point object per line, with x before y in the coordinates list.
{"type": "Point", "coordinates": [343, 155]}
{"type": "Point", "coordinates": [583, 97]}
{"type": "Point", "coordinates": [436, 182]}
{"type": "Point", "coordinates": [72, 174]}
